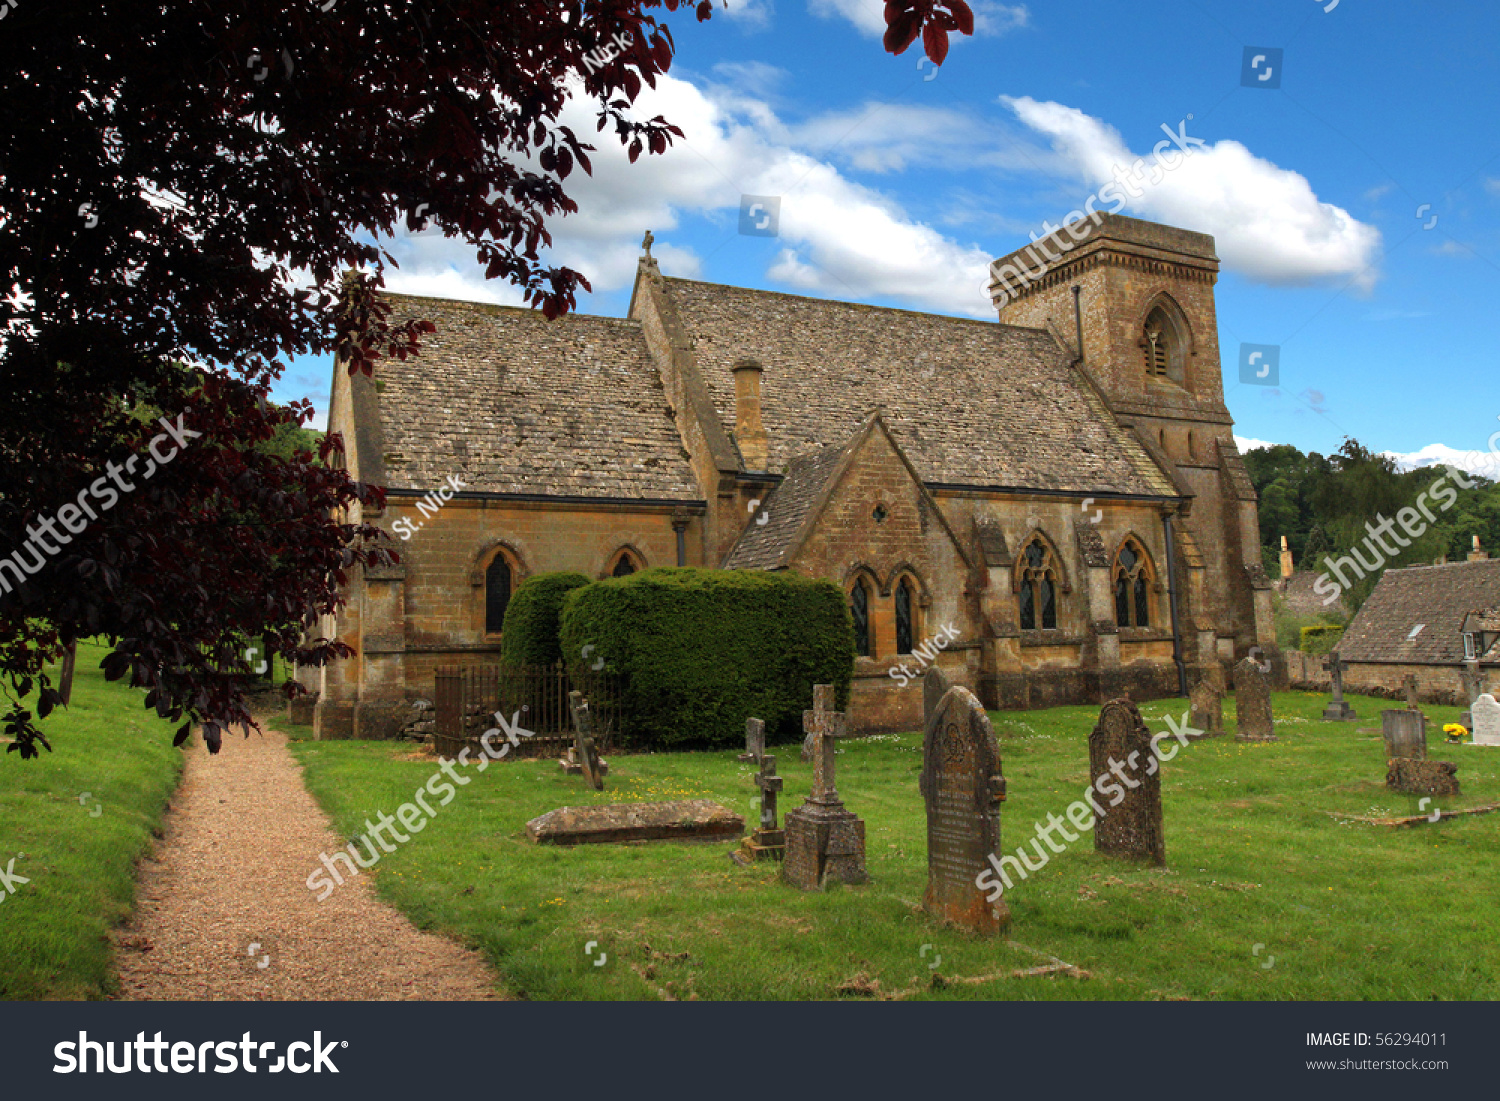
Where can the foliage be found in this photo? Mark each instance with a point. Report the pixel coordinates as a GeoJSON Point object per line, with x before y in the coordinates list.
{"type": "Point", "coordinates": [703, 650]}
{"type": "Point", "coordinates": [532, 618]}
{"type": "Point", "coordinates": [1320, 638]}
{"type": "Point", "coordinates": [1289, 624]}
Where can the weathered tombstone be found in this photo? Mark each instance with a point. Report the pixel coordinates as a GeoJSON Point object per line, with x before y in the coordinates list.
{"type": "Point", "coordinates": [1409, 687]}
{"type": "Point", "coordinates": [1421, 777]}
{"type": "Point", "coordinates": [65, 678]}
{"type": "Point", "coordinates": [824, 840]}
{"type": "Point", "coordinates": [934, 687]}
{"type": "Point", "coordinates": [1206, 709]}
{"type": "Point", "coordinates": [682, 820]}
{"type": "Point", "coordinates": [1252, 703]}
{"type": "Point", "coordinates": [755, 741]}
{"type": "Point", "coordinates": [583, 755]}
{"type": "Point", "coordinates": [1120, 752]}
{"type": "Point", "coordinates": [1486, 715]}
{"type": "Point", "coordinates": [963, 788]}
{"type": "Point", "coordinates": [1337, 710]}
{"type": "Point", "coordinates": [1473, 687]}
{"type": "Point", "coordinates": [1405, 734]}
{"type": "Point", "coordinates": [768, 842]}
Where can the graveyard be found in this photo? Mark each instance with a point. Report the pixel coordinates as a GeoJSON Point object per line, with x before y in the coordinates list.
{"type": "Point", "coordinates": [1292, 870]}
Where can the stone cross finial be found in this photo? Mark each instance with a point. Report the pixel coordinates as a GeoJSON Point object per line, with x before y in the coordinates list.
{"type": "Point", "coordinates": [769, 784]}
{"type": "Point", "coordinates": [823, 725]}
{"type": "Point", "coordinates": [646, 243]}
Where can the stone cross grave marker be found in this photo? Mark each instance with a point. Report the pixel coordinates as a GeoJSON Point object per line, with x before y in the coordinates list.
{"type": "Point", "coordinates": [962, 787]}
{"type": "Point", "coordinates": [1206, 709]}
{"type": "Point", "coordinates": [1486, 713]}
{"type": "Point", "coordinates": [1409, 687]}
{"type": "Point", "coordinates": [934, 687]}
{"type": "Point", "coordinates": [1252, 703]}
{"type": "Point", "coordinates": [824, 840]}
{"type": "Point", "coordinates": [767, 842]}
{"type": "Point", "coordinates": [1405, 733]}
{"type": "Point", "coordinates": [1337, 709]}
{"type": "Point", "coordinates": [755, 741]}
{"type": "Point", "coordinates": [1120, 753]}
{"type": "Point", "coordinates": [583, 757]}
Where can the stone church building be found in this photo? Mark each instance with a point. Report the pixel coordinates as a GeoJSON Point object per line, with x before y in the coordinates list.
{"type": "Point", "coordinates": [1072, 521]}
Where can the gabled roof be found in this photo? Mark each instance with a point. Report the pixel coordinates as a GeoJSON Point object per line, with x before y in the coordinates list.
{"type": "Point", "coordinates": [510, 402]}
{"type": "Point", "coordinates": [1439, 598]}
{"type": "Point", "coordinates": [972, 403]}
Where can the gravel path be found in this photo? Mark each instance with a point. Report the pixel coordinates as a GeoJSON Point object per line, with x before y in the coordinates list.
{"type": "Point", "coordinates": [241, 839]}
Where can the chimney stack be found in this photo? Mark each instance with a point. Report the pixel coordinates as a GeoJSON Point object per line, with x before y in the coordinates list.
{"type": "Point", "coordinates": [749, 432]}
{"type": "Point", "coordinates": [1477, 554]}
{"type": "Point", "coordinates": [1286, 559]}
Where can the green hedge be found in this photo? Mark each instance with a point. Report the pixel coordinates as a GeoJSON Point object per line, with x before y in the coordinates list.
{"type": "Point", "coordinates": [705, 649]}
{"type": "Point", "coordinates": [1321, 638]}
{"type": "Point", "coordinates": [531, 618]}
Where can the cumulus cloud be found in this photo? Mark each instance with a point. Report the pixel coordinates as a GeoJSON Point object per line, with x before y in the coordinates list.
{"type": "Point", "coordinates": [748, 15]}
{"type": "Point", "coordinates": [1247, 443]}
{"type": "Point", "coordinates": [868, 16]}
{"type": "Point", "coordinates": [1268, 222]}
{"type": "Point", "coordinates": [1486, 463]}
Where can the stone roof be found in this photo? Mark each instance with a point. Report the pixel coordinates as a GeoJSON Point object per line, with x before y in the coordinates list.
{"type": "Point", "coordinates": [1439, 597]}
{"type": "Point", "coordinates": [510, 402]}
{"type": "Point", "coordinates": [764, 546]}
{"type": "Point", "coordinates": [972, 403]}
{"type": "Point", "coordinates": [1302, 598]}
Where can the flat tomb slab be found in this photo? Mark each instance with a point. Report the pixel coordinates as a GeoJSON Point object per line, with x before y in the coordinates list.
{"type": "Point", "coordinates": [682, 820]}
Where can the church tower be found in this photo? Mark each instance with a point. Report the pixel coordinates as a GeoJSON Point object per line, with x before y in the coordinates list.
{"type": "Point", "coordinates": [1142, 295]}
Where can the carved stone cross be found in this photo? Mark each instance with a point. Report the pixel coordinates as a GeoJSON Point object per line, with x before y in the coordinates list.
{"type": "Point", "coordinates": [755, 741]}
{"type": "Point", "coordinates": [585, 753]}
{"type": "Point", "coordinates": [1337, 708]}
{"type": "Point", "coordinates": [769, 784]}
{"type": "Point", "coordinates": [824, 726]}
{"type": "Point", "coordinates": [646, 243]}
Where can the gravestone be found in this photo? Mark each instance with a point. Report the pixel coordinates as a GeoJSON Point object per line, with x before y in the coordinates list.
{"type": "Point", "coordinates": [1252, 703]}
{"type": "Point", "coordinates": [1409, 688]}
{"type": "Point", "coordinates": [768, 842]}
{"type": "Point", "coordinates": [682, 820]}
{"type": "Point", "coordinates": [583, 756]}
{"type": "Point", "coordinates": [1421, 777]}
{"type": "Point", "coordinates": [1337, 710]}
{"type": "Point", "coordinates": [934, 687]}
{"type": "Point", "coordinates": [1486, 715]}
{"type": "Point", "coordinates": [1405, 734]}
{"type": "Point", "coordinates": [824, 840]}
{"type": "Point", "coordinates": [1206, 709]}
{"type": "Point", "coordinates": [1120, 751]}
{"type": "Point", "coordinates": [1473, 687]}
{"type": "Point", "coordinates": [963, 788]}
{"type": "Point", "coordinates": [755, 741]}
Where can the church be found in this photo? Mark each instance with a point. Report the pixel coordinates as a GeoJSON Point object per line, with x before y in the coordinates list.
{"type": "Point", "coordinates": [1050, 506]}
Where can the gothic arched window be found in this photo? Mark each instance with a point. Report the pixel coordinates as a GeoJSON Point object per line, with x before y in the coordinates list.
{"type": "Point", "coordinates": [623, 564]}
{"type": "Point", "coordinates": [498, 581]}
{"type": "Point", "coordinates": [1133, 580]}
{"type": "Point", "coordinates": [1164, 345]}
{"type": "Point", "coordinates": [905, 624]}
{"type": "Point", "coordinates": [1037, 591]}
{"type": "Point", "coordinates": [859, 609]}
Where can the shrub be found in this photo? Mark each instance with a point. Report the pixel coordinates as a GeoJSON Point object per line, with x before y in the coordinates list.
{"type": "Point", "coordinates": [1320, 638]}
{"type": "Point", "coordinates": [531, 618]}
{"type": "Point", "coordinates": [702, 650]}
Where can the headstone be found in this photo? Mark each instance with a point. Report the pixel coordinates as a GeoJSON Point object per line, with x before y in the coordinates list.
{"type": "Point", "coordinates": [1405, 734]}
{"type": "Point", "coordinates": [934, 687]}
{"type": "Point", "coordinates": [768, 842]}
{"type": "Point", "coordinates": [1120, 756]}
{"type": "Point", "coordinates": [1206, 709]}
{"type": "Point", "coordinates": [583, 756]}
{"type": "Point", "coordinates": [755, 741]}
{"type": "Point", "coordinates": [963, 788]}
{"type": "Point", "coordinates": [1409, 687]}
{"type": "Point", "coordinates": [1473, 686]}
{"type": "Point", "coordinates": [684, 820]}
{"type": "Point", "coordinates": [824, 840]}
{"type": "Point", "coordinates": [1337, 710]}
{"type": "Point", "coordinates": [1421, 777]}
{"type": "Point", "coordinates": [1252, 703]}
{"type": "Point", "coordinates": [1486, 714]}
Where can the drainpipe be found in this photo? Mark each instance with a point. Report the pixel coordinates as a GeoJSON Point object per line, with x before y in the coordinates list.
{"type": "Point", "coordinates": [680, 526]}
{"type": "Point", "coordinates": [1166, 523]}
{"type": "Point", "coordinates": [1078, 320]}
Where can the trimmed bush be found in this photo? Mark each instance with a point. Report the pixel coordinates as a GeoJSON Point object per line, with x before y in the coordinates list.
{"type": "Point", "coordinates": [703, 650]}
{"type": "Point", "coordinates": [1320, 638]}
{"type": "Point", "coordinates": [531, 618]}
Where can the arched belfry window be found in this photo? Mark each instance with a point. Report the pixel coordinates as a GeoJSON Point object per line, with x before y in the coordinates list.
{"type": "Point", "coordinates": [1036, 592]}
{"type": "Point", "coordinates": [859, 610]}
{"type": "Point", "coordinates": [624, 563]}
{"type": "Point", "coordinates": [1133, 583]}
{"type": "Point", "coordinates": [498, 581]}
{"type": "Point", "coordinates": [624, 567]}
{"type": "Point", "coordinates": [1164, 345]}
{"type": "Point", "coordinates": [905, 623]}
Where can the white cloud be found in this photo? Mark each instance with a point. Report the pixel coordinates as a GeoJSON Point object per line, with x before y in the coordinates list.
{"type": "Point", "coordinates": [1486, 463]}
{"type": "Point", "coordinates": [1492, 185]}
{"type": "Point", "coordinates": [1268, 223]}
{"type": "Point", "coordinates": [749, 15]}
{"type": "Point", "coordinates": [868, 16]}
{"type": "Point", "coordinates": [1246, 443]}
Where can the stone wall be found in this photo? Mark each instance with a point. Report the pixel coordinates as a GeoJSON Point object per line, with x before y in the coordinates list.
{"type": "Point", "coordinates": [1436, 684]}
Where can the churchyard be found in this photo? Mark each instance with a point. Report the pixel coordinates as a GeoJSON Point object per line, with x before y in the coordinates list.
{"type": "Point", "coordinates": [1281, 879]}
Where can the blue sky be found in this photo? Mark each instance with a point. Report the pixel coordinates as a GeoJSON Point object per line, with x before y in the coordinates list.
{"type": "Point", "coordinates": [896, 185]}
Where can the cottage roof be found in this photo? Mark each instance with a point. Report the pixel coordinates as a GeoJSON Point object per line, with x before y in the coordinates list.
{"type": "Point", "coordinates": [1439, 598]}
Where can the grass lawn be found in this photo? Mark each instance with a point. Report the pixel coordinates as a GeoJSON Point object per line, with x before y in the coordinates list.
{"type": "Point", "coordinates": [54, 930]}
{"type": "Point", "coordinates": [1339, 909]}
